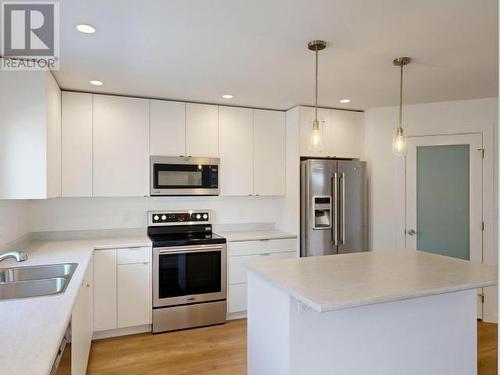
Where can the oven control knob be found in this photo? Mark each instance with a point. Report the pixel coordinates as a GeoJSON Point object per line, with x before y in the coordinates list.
{"type": "Point", "coordinates": [205, 216]}
{"type": "Point", "coordinates": [198, 216]}
{"type": "Point", "coordinates": [164, 217]}
{"type": "Point", "coordinates": [156, 218]}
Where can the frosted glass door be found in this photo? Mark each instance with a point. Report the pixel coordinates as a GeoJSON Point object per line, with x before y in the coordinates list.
{"type": "Point", "coordinates": [443, 180]}
{"type": "Point", "coordinates": [444, 195]}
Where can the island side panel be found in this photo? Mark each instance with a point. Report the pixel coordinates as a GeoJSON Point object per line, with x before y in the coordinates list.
{"type": "Point", "coordinates": [268, 328]}
{"type": "Point", "coordinates": [432, 335]}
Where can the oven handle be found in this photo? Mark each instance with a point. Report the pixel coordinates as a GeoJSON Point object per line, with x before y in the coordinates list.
{"type": "Point", "coordinates": [185, 249]}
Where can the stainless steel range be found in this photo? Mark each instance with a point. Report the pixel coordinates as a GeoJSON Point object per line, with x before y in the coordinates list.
{"type": "Point", "coordinates": [189, 270]}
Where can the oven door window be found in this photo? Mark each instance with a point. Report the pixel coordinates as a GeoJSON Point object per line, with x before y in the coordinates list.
{"type": "Point", "coordinates": [184, 176]}
{"type": "Point", "coordinates": [189, 274]}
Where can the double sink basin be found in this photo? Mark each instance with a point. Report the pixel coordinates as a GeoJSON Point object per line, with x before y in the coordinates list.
{"type": "Point", "coordinates": [35, 281]}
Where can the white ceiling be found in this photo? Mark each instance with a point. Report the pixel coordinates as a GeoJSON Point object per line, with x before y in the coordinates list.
{"type": "Point", "coordinates": [197, 50]}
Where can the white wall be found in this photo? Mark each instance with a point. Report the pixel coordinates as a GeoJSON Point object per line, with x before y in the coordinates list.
{"type": "Point", "coordinates": [117, 213]}
{"type": "Point", "coordinates": [434, 118]}
{"type": "Point", "coordinates": [13, 220]}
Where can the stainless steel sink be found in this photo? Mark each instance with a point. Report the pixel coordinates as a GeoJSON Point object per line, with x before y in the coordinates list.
{"type": "Point", "coordinates": [35, 281]}
{"type": "Point", "coordinates": [33, 288]}
{"type": "Point", "coordinates": [8, 275]}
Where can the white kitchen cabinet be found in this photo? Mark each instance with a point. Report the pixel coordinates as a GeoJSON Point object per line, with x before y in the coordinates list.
{"type": "Point", "coordinates": [236, 150]}
{"type": "Point", "coordinates": [237, 264]}
{"type": "Point", "coordinates": [76, 144]}
{"type": "Point", "coordinates": [168, 128]}
{"type": "Point", "coordinates": [121, 146]}
{"type": "Point", "coordinates": [122, 288]}
{"type": "Point", "coordinates": [240, 253]}
{"type": "Point", "coordinates": [81, 325]}
{"type": "Point", "coordinates": [202, 130]}
{"type": "Point", "coordinates": [133, 297]}
{"type": "Point", "coordinates": [269, 152]}
{"type": "Point", "coordinates": [30, 135]}
{"type": "Point", "coordinates": [237, 298]}
{"type": "Point", "coordinates": [104, 289]}
{"type": "Point", "coordinates": [343, 132]}
{"type": "Point", "coordinates": [347, 134]}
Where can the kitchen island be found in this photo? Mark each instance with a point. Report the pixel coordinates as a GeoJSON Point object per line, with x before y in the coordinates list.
{"type": "Point", "coordinates": [387, 312]}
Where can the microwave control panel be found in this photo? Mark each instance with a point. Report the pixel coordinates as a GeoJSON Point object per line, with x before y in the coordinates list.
{"type": "Point", "coordinates": [179, 217]}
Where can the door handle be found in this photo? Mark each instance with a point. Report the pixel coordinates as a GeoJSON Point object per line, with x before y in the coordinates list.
{"type": "Point", "coordinates": [343, 209]}
{"type": "Point", "coordinates": [411, 232]}
{"type": "Point", "coordinates": [335, 183]}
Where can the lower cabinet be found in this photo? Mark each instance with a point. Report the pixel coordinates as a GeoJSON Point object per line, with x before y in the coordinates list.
{"type": "Point", "coordinates": [81, 325]}
{"type": "Point", "coordinates": [243, 252]}
{"type": "Point", "coordinates": [122, 288]}
{"type": "Point", "coordinates": [133, 297]}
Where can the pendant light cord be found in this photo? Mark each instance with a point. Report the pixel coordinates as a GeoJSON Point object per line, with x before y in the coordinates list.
{"type": "Point", "coordinates": [401, 97]}
{"type": "Point", "coordinates": [316, 89]}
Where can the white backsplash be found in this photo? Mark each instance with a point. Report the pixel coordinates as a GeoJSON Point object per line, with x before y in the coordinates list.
{"type": "Point", "coordinates": [13, 220]}
{"type": "Point", "coordinates": [66, 214]}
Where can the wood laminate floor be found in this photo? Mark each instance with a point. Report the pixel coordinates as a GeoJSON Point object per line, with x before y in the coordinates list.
{"type": "Point", "coordinates": [218, 350]}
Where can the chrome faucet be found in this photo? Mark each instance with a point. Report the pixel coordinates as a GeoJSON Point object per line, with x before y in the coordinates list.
{"type": "Point", "coordinates": [19, 256]}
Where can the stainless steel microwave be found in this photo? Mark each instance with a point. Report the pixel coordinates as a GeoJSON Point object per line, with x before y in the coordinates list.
{"type": "Point", "coordinates": [184, 176]}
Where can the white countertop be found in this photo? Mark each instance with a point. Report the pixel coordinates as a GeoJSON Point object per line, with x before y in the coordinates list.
{"type": "Point", "coordinates": [335, 282]}
{"type": "Point", "coordinates": [31, 329]}
{"type": "Point", "coordinates": [255, 235]}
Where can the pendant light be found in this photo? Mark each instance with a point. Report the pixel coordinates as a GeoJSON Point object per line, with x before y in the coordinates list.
{"type": "Point", "coordinates": [399, 139]}
{"type": "Point", "coordinates": [316, 141]}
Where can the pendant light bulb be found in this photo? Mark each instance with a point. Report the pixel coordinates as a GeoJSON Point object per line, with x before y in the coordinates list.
{"type": "Point", "coordinates": [316, 140]}
{"type": "Point", "coordinates": [399, 142]}
{"type": "Point", "coordinates": [399, 139]}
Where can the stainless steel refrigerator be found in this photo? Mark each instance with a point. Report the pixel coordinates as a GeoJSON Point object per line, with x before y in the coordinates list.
{"type": "Point", "coordinates": [333, 206]}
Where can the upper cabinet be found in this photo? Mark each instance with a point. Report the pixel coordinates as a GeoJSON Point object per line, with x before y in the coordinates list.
{"type": "Point", "coordinates": [30, 135]}
{"type": "Point", "coordinates": [184, 129]}
{"type": "Point", "coordinates": [236, 150]}
{"type": "Point", "coordinates": [76, 144]}
{"type": "Point", "coordinates": [107, 142]}
{"type": "Point", "coordinates": [202, 130]}
{"type": "Point", "coordinates": [121, 146]}
{"type": "Point", "coordinates": [342, 131]}
{"type": "Point", "coordinates": [252, 151]}
{"type": "Point", "coordinates": [347, 134]}
{"type": "Point", "coordinates": [269, 152]}
{"type": "Point", "coordinates": [168, 128]}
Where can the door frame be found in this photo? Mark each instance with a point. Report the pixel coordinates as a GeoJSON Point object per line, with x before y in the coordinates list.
{"type": "Point", "coordinates": [476, 209]}
{"type": "Point", "coordinates": [490, 199]}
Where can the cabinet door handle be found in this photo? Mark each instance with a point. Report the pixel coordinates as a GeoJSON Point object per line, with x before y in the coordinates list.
{"type": "Point", "coordinates": [265, 254]}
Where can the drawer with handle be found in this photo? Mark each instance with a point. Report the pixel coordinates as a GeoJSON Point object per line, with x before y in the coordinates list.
{"type": "Point", "coordinates": [262, 246]}
{"type": "Point", "coordinates": [237, 265]}
{"type": "Point", "coordinates": [133, 255]}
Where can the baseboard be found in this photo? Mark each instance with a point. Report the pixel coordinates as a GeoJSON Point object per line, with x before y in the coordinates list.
{"type": "Point", "coordinates": [121, 332]}
{"type": "Point", "coordinates": [236, 315]}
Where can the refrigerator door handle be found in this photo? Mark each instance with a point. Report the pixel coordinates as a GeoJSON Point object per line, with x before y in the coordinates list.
{"type": "Point", "coordinates": [335, 230]}
{"type": "Point", "coordinates": [342, 242]}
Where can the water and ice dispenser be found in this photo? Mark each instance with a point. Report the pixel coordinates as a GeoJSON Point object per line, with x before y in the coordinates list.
{"type": "Point", "coordinates": [322, 207]}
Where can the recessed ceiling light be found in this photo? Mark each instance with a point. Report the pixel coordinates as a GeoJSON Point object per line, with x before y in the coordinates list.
{"type": "Point", "coordinates": [227, 96]}
{"type": "Point", "coordinates": [86, 29]}
{"type": "Point", "coordinates": [96, 83]}
{"type": "Point", "coordinates": [345, 101]}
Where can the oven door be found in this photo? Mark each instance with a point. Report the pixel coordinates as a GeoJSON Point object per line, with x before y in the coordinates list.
{"type": "Point", "coordinates": [188, 274]}
{"type": "Point", "coordinates": [184, 176]}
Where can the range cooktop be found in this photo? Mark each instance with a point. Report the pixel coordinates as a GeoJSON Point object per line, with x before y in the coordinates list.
{"type": "Point", "coordinates": [181, 228]}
